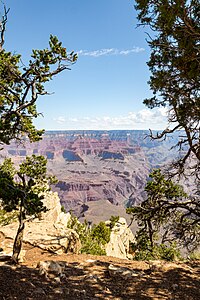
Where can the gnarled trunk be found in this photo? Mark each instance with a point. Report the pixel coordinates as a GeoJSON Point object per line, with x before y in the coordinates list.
{"type": "Point", "coordinates": [19, 237]}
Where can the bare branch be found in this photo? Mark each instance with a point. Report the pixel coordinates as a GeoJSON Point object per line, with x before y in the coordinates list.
{"type": "Point", "coordinates": [3, 26]}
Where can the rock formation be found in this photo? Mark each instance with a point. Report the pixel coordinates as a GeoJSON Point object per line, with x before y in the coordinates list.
{"type": "Point", "coordinates": [49, 232]}
{"type": "Point", "coordinates": [120, 239]}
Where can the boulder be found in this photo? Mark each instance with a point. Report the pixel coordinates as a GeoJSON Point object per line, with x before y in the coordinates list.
{"type": "Point", "coordinates": [48, 267]}
{"type": "Point", "coordinates": [48, 232]}
{"type": "Point", "coordinates": [120, 239]}
{"type": "Point", "coordinates": [124, 273]}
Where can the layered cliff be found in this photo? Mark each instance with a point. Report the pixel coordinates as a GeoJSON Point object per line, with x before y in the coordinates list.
{"type": "Point", "coordinates": [93, 166]}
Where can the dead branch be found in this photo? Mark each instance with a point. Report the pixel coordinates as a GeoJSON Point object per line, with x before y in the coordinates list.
{"type": "Point", "coordinates": [3, 26]}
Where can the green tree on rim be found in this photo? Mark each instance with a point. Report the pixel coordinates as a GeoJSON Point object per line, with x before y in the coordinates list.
{"type": "Point", "coordinates": [175, 69]}
{"type": "Point", "coordinates": [174, 40]}
{"type": "Point", "coordinates": [23, 188]}
{"type": "Point", "coordinates": [167, 214]}
{"type": "Point", "coordinates": [20, 87]}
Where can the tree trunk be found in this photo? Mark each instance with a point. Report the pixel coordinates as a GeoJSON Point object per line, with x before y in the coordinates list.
{"type": "Point", "coordinates": [19, 238]}
{"type": "Point", "coordinates": [150, 233]}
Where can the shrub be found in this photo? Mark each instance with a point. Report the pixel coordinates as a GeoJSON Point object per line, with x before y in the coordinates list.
{"type": "Point", "coordinates": [93, 238]}
{"type": "Point", "coordinates": [144, 251]}
{"type": "Point", "coordinates": [101, 233]}
{"type": "Point", "coordinates": [113, 221]}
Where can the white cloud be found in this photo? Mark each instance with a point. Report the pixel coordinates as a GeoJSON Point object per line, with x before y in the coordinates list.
{"type": "Point", "coordinates": [143, 119]}
{"type": "Point", "coordinates": [109, 51]}
{"type": "Point", "coordinates": [60, 120]}
{"type": "Point", "coordinates": [73, 119]}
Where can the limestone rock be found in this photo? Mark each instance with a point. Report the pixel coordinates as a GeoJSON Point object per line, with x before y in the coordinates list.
{"type": "Point", "coordinates": [120, 239]}
{"type": "Point", "coordinates": [49, 232]}
{"type": "Point", "coordinates": [122, 272]}
{"type": "Point", "coordinates": [51, 267]}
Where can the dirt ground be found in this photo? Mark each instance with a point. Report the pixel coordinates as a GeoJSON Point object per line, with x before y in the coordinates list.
{"type": "Point", "coordinates": [88, 277]}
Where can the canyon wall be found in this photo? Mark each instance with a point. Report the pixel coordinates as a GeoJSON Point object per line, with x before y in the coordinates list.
{"type": "Point", "coordinates": [97, 167]}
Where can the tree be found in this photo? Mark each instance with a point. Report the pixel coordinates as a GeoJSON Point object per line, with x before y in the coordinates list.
{"type": "Point", "coordinates": [20, 87]}
{"type": "Point", "coordinates": [167, 214]}
{"type": "Point", "coordinates": [23, 190]}
{"type": "Point", "coordinates": [175, 71]}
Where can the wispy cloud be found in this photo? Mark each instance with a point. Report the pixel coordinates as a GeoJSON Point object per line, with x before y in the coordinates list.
{"type": "Point", "coordinates": [144, 119]}
{"type": "Point", "coordinates": [109, 51]}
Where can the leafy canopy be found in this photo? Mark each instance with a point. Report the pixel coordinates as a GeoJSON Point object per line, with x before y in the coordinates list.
{"type": "Point", "coordinates": [24, 187]}
{"type": "Point", "coordinates": [22, 190]}
{"type": "Point", "coordinates": [167, 214]}
{"type": "Point", "coordinates": [175, 69]}
{"type": "Point", "coordinates": [20, 85]}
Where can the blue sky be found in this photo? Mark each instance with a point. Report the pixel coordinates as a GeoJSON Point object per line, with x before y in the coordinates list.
{"type": "Point", "coordinates": [106, 87]}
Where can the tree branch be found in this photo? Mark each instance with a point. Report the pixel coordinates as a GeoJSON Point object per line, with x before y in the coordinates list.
{"type": "Point", "coordinates": [3, 26]}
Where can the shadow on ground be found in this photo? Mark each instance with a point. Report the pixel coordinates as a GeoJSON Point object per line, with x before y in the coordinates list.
{"type": "Point", "coordinates": [95, 282]}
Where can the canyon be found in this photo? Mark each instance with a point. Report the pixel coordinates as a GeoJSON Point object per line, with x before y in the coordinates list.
{"type": "Point", "coordinates": [100, 173]}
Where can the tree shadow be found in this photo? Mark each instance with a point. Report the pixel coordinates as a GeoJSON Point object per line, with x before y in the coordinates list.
{"type": "Point", "coordinates": [94, 282]}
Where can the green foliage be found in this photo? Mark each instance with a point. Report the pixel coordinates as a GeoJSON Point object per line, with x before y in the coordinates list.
{"type": "Point", "coordinates": [23, 187]}
{"type": "Point", "coordinates": [22, 190]}
{"type": "Point", "coordinates": [175, 83]}
{"type": "Point", "coordinates": [63, 209]}
{"type": "Point", "coordinates": [166, 215]}
{"type": "Point", "coordinates": [92, 246]}
{"type": "Point", "coordinates": [144, 251]}
{"type": "Point", "coordinates": [101, 233]}
{"type": "Point", "coordinates": [113, 221]}
{"type": "Point", "coordinates": [93, 239]}
{"type": "Point", "coordinates": [195, 255]}
{"type": "Point", "coordinates": [7, 217]}
{"type": "Point", "coordinates": [175, 68]}
{"type": "Point", "coordinates": [20, 86]}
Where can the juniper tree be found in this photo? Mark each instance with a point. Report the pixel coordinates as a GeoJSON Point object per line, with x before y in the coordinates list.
{"type": "Point", "coordinates": [20, 85]}
{"type": "Point", "coordinates": [22, 189]}
{"type": "Point", "coordinates": [174, 40]}
{"type": "Point", "coordinates": [168, 214]}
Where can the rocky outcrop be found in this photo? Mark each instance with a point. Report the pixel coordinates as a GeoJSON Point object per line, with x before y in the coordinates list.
{"type": "Point", "coordinates": [49, 232]}
{"type": "Point", "coordinates": [120, 239]}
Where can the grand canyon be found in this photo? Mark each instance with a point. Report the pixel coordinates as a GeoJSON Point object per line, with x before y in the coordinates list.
{"type": "Point", "coordinates": [100, 173]}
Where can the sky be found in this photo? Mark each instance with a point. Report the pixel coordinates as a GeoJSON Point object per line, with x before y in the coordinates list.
{"type": "Point", "coordinates": [106, 87]}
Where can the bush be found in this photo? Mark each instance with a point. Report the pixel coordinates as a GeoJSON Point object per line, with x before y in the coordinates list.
{"type": "Point", "coordinates": [195, 255]}
{"type": "Point", "coordinates": [92, 246]}
{"type": "Point", "coordinates": [144, 251]}
{"type": "Point", "coordinates": [63, 209]}
{"type": "Point", "coordinates": [93, 238]}
{"type": "Point", "coordinates": [113, 221]}
{"type": "Point", "coordinates": [101, 233]}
